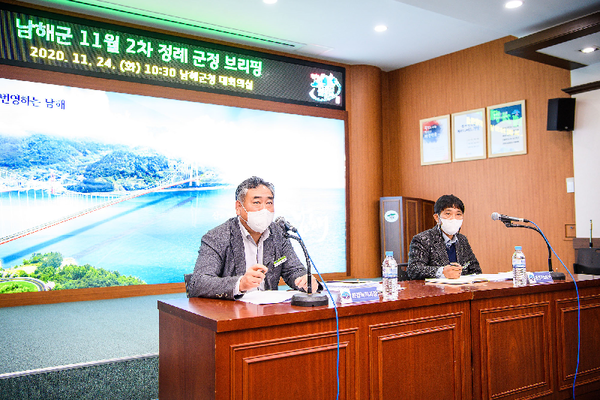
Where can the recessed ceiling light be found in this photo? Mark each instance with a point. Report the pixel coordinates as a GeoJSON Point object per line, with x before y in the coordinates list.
{"type": "Point", "coordinates": [380, 28]}
{"type": "Point", "coordinates": [270, 1]}
{"type": "Point", "coordinates": [513, 4]}
{"type": "Point", "coordinates": [590, 49]}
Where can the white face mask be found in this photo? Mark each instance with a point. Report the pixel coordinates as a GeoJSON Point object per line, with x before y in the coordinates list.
{"type": "Point", "coordinates": [259, 221]}
{"type": "Point", "coordinates": [451, 226]}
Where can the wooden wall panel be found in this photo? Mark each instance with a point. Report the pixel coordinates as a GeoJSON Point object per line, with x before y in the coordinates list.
{"type": "Point", "coordinates": [566, 335]}
{"type": "Point", "coordinates": [427, 216]}
{"type": "Point", "coordinates": [179, 337]}
{"type": "Point", "coordinates": [532, 186]}
{"type": "Point", "coordinates": [306, 358]}
{"type": "Point", "coordinates": [363, 99]}
{"type": "Point", "coordinates": [408, 374]}
{"type": "Point", "coordinates": [512, 352]}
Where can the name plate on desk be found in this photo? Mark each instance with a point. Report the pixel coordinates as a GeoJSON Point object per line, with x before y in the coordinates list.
{"type": "Point", "coordinates": [539, 277]}
{"type": "Point", "coordinates": [358, 294]}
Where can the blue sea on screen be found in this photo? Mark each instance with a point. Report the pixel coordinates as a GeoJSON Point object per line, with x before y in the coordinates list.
{"type": "Point", "coordinates": [156, 237]}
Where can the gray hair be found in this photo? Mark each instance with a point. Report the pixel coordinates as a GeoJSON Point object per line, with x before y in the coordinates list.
{"type": "Point", "coordinates": [252, 183]}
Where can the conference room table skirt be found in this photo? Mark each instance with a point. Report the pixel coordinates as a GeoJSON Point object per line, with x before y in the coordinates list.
{"type": "Point", "coordinates": [482, 341]}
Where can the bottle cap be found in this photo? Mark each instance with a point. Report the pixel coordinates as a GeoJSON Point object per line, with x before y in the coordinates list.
{"type": "Point", "coordinates": [518, 248]}
{"type": "Point", "coordinates": [389, 254]}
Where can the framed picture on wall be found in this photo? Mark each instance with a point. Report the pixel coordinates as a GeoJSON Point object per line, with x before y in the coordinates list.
{"type": "Point", "coordinates": [507, 134]}
{"type": "Point", "coordinates": [435, 140]}
{"type": "Point", "coordinates": [468, 135]}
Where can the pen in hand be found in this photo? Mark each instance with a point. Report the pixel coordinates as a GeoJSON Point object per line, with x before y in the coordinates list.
{"type": "Point", "coordinates": [268, 267]}
{"type": "Point", "coordinates": [464, 267]}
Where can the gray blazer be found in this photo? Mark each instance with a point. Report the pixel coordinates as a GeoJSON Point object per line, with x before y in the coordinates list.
{"type": "Point", "coordinates": [427, 253]}
{"type": "Point", "coordinates": [222, 261]}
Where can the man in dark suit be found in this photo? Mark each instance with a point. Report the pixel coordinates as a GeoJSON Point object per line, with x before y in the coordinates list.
{"type": "Point", "coordinates": [247, 252]}
{"type": "Point", "coordinates": [441, 251]}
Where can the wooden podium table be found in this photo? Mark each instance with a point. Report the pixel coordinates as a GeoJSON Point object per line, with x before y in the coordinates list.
{"type": "Point", "coordinates": [482, 341]}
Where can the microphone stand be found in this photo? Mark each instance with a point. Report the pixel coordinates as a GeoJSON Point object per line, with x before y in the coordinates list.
{"type": "Point", "coordinates": [308, 299]}
{"type": "Point", "coordinates": [556, 276]}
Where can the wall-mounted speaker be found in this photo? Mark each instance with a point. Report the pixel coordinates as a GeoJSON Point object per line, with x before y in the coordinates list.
{"type": "Point", "coordinates": [561, 114]}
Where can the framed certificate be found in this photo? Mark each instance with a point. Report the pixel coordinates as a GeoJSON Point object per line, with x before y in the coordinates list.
{"type": "Point", "coordinates": [468, 135]}
{"type": "Point", "coordinates": [507, 133]}
{"type": "Point", "coordinates": [435, 140]}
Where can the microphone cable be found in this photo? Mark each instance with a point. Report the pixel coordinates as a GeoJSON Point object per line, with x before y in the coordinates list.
{"type": "Point", "coordinates": [337, 321]}
{"type": "Point", "coordinates": [578, 308]}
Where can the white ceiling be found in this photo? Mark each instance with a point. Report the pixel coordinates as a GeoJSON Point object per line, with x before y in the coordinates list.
{"type": "Point", "coordinates": [342, 30]}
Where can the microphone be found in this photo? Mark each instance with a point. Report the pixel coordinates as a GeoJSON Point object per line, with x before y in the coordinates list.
{"type": "Point", "coordinates": [308, 299]}
{"type": "Point", "coordinates": [285, 224]}
{"type": "Point", "coordinates": [505, 218]}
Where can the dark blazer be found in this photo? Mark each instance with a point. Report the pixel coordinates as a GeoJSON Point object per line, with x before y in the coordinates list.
{"type": "Point", "coordinates": [427, 253]}
{"type": "Point", "coordinates": [222, 261]}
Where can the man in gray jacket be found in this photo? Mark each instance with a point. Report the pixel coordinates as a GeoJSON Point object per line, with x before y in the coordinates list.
{"type": "Point", "coordinates": [247, 252]}
{"type": "Point", "coordinates": [442, 251]}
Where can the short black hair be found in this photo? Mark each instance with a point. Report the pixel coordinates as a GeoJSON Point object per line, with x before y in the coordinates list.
{"type": "Point", "coordinates": [252, 183]}
{"type": "Point", "coordinates": [448, 201]}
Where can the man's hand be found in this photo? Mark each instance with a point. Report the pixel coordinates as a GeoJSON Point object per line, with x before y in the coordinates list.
{"type": "Point", "coordinates": [302, 283]}
{"type": "Point", "coordinates": [452, 271]}
{"type": "Point", "coordinates": [253, 277]}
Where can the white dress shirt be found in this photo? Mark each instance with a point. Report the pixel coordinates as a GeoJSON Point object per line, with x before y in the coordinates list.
{"type": "Point", "coordinates": [254, 254]}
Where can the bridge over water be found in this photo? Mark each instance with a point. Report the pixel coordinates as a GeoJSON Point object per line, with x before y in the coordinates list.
{"type": "Point", "coordinates": [120, 199]}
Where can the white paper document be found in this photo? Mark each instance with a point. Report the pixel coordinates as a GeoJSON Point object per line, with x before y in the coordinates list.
{"type": "Point", "coordinates": [268, 296]}
{"type": "Point", "coordinates": [352, 284]}
{"type": "Point", "coordinates": [501, 276]}
{"type": "Point", "coordinates": [467, 279]}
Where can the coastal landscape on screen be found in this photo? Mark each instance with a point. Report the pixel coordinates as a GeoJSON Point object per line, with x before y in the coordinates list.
{"type": "Point", "coordinates": [104, 189]}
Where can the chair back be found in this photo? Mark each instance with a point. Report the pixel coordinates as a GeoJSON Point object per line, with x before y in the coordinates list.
{"type": "Point", "coordinates": [402, 274]}
{"type": "Point", "coordinates": [186, 279]}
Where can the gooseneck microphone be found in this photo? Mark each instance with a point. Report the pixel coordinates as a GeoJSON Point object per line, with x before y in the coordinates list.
{"type": "Point", "coordinates": [508, 222]}
{"type": "Point", "coordinates": [285, 224]}
{"type": "Point", "coordinates": [308, 299]}
{"type": "Point", "coordinates": [504, 218]}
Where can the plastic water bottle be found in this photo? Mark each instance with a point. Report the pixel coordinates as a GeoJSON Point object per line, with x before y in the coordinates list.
{"type": "Point", "coordinates": [519, 270]}
{"type": "Point", "coordinates": [390, 277]}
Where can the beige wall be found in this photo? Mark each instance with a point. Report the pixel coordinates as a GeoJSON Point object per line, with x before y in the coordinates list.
{"type": "Point", "coordinates": [532, 186]}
